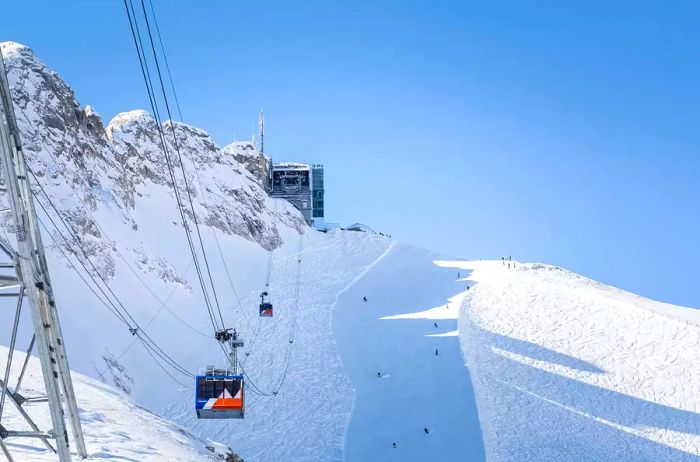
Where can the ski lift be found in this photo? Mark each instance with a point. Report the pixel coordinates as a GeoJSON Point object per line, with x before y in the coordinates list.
{"type": "Point", "coordinates": [219, 394]}
{"type": "Point", "coordinates": [265, 307]}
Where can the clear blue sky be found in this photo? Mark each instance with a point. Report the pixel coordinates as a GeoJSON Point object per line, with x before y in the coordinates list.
{"type": "Point", "coordinates": [564, 132]}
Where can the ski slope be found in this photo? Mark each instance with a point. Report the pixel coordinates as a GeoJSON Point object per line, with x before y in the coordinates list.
{"type": "Point", "coordinates": [306, 420]}
{"type": "Point", "coordinates": [391, 335]}
{"type": "Point", "coordinates": [566, 368]}
{"type": "Point", "coordinates": [115, 428]}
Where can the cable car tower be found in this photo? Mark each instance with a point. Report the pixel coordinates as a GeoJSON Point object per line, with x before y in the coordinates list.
{"type": "Point", "coordinates": [31, 280]}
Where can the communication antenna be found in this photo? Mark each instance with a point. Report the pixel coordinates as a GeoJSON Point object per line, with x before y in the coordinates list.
{"type": "Point", "coordinates": [261, 129]}
{"type": "Point", "coordinates": [31, 280]}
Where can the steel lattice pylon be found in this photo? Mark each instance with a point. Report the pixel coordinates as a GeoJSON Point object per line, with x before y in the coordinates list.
{"type": "Point", "coordinates": [32, 281]}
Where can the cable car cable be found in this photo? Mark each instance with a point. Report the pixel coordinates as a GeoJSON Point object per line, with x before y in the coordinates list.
{"type": "Point", "coordinates": [179, 155]}
{"type": "Point", "coordinates": [276, 389]}
{"type": "Point", "coordinates": [196, 172]}
{"type": "Point", "coordinates": [115, 248]}
{"type": "Point", "coordinates": [162, 367]}
{"type": "Point", "coordinates": [138, 43]}
{"type": "Point", "coordinates": [136, 35]}
{"type": "Point", "coordinates": [119, 311]}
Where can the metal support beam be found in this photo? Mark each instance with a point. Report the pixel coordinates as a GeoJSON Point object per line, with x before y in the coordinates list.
{"type": "Point", "coordinates": [24, 366]}
{"type": "Point", "coordinates": [13, 339]}
{"type": "Point", "coordinates": [6, 248]}
{"type": "Point", "coordinates": [32, 273]}
{"type": "Point", "coordinates": [27, 434]}
{"type": "Point", "coordinates": [5, 451]}
{"type": "Point", "coordinates": [26, 417]}
{"type": "Point", "coordinates": [8, 281]}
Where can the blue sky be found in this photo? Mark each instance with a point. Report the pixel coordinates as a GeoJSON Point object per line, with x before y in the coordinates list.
{"type": "Point", "coordinates": [564, 132]}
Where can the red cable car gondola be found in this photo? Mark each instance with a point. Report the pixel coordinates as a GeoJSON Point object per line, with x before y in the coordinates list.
{"type": "Point", "coordinates": [265, 307]}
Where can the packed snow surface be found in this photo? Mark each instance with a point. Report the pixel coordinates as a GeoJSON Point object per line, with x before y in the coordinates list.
{"type": "Point", "coordinates": [566, 368]}
{"type": "Point", "coordinates": [402, 387]}
{"type": "Point", "coordinates": [115, 428]}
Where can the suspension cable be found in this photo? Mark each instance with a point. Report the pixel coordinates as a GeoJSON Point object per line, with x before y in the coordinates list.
{"type": "Point", "coordinates": [118, 309]}
{"type": "Point", "coordinates": [113, 242]}
{"type": "Point", "coordinates": [196, 171]}
{"type": "Point", "coordinates": [280, 382]}
{"type": "Point", "coordinates": [179, 156]}
{"type": "Point", "coordinates": [136, 35]}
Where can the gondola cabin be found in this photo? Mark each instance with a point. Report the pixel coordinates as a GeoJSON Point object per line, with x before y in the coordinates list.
{"type": "Point", "coordinates": [266, 310]}
{"type": "Point", "coordinates": [219, 395]}
{"type": "Point", "coordinates": [265, 307]}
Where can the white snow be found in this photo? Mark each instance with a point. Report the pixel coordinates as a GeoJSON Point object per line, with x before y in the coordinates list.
{"type": "Point", "coordinates": [417, 388]}
{"type": "Point", "coordinates": [116, 428]}
{"type": "Point", "coordinates": [566, 368]}
{"type": "Point", "coordinates": [242, 148]}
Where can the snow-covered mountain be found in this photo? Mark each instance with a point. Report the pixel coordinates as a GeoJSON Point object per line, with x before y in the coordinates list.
{"type": "Point", "coordinates": [370, 337]}
{"type": "Point", "coordinates": [87, 167]}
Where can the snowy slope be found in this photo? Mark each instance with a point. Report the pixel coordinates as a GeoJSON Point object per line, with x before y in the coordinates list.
{"type": "Point", "coordinates": [417, 389]}
{"type": "Point", "coordinates": [116, 429]}
{"type": "Point", "coordinates": [306, 421]}
{"type": "Point", "coordinates": [566, 368]}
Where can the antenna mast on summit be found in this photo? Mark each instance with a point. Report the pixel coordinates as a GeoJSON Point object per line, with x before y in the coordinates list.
{"type": "Point", "coordinates": [261, 129]}
{"type": "Point", "coordinates": [31, 280]}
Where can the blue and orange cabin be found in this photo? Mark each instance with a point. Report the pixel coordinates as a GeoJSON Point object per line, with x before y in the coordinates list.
{"type": "Point", "coordinates": [219, 397]}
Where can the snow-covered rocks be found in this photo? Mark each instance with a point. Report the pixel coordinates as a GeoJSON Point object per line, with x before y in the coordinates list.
{"type": "Point", "coordinates": [257, 163]}
{"type": "Point", "coordinates": [85, 167]}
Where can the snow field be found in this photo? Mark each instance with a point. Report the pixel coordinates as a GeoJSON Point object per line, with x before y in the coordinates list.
{"type": "Point", "coordinates": [565, 368]}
